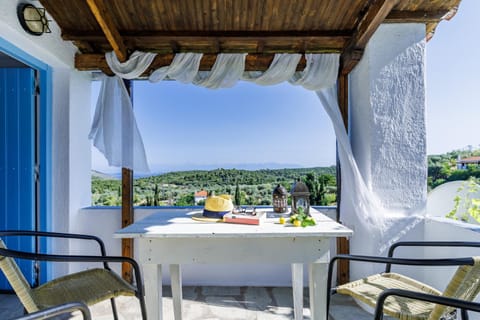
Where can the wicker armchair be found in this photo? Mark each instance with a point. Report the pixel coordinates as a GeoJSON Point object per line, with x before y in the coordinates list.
{"type": "Point", "coordinates": [461, 304]}
{"type": "Point", "coordinates": [89, 287]}
{"type": "Point", "coordinates": [464, 285]}
{"type": "Point", "coordinates": [63, 309]}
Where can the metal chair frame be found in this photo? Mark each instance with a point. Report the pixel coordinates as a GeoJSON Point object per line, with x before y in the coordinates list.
{"type": "Point", "coordinates": [139, 293]}
{"type": "Point", "coordinates": [390, 260]}
{"type": "Point", "coordinates": [49, 313]}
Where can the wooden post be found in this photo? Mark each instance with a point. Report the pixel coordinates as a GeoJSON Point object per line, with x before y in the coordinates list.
{"type": "Point", "coordinates": [343, 246]}
{"type": "Point", "coordinates": [127, 219]}
{"type": "Point", "coordinates": [127, 207]}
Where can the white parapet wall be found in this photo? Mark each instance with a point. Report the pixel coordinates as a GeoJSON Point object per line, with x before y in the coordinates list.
{"type": "Point", "coordinates": [454, 198]}
{"type": "Point", "coordinates": [444, 229]}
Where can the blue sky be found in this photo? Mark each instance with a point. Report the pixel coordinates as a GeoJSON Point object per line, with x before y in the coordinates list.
{"type": "Point", "coordinates": [453, 84]}
{"type": "Point", "coordinates": [188, 127]}
{"type": "Point", "coordinates": [246, 124]}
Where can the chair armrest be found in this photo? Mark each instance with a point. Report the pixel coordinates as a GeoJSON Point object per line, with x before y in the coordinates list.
{"type": "Point", "coordinates": [399, 261]}
{"type": "Point", "coordinates": [76, 258]}
{"type": "Point", "coordinates": [59, 310]}
{"type": "Point", "coordinates": [464, 244]}
{"type": "Point", "coordinates": [49, 234]}
{"type": "Point", "coordinates": [405, 261]}
{"type": "Point", "coordinates": [462, 304]}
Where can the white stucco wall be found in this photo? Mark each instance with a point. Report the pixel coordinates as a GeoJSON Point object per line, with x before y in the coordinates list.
{"type": "Point", "coordinates": [80, 146]}
{"type": "Point", "coordinates": [387, 126]}
{"type": "Point", "coordinates": [70, 108]}
{"type": "Point", "coordinates": [387, 115]}
{"type": "Point", "coordinates": [49, 48]}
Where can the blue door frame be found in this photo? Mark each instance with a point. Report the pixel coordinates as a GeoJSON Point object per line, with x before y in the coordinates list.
{"type": "Point", "coordinates": [44, 73]}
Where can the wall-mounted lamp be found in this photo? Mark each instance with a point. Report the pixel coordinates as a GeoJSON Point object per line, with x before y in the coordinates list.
{"type": "Point", "coordinates": [33, 19]}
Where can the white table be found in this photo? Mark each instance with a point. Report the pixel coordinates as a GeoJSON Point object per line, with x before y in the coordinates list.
{"type": "Point", "coordinates": [172, 237]}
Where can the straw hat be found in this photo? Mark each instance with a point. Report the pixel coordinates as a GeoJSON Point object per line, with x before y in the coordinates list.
{"type": "Point", "coordinates": [218, 206]}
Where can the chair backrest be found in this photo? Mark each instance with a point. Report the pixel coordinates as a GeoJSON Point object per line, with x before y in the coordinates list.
{"type": "Point", "coordinates": [18, 282]}
{"type": "Point", "coordinates": [464, 285]}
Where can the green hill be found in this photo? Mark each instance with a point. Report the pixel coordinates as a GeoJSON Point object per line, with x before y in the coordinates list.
{"type": "Point", "coordinates": [177, 188]}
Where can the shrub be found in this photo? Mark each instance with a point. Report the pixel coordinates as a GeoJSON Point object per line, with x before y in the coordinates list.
{"type": "Point", "coordinates": [465, 202]}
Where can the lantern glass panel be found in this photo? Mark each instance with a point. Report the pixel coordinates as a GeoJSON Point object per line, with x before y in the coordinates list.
{"type": "Point", "coordinates": [300, 197]}
{"type": "Point", "coordinates": [279, 200]}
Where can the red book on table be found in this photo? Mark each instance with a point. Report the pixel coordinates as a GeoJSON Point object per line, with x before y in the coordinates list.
{"type": "Point", "coordinates": [245, 218]}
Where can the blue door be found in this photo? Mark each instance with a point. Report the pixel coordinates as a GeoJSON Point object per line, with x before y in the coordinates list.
{"type": "Point", "coordinates": [17, 160]}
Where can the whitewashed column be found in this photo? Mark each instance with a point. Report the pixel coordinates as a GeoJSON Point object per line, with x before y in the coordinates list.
{"type": "Point", "coordinates": [387, 123]}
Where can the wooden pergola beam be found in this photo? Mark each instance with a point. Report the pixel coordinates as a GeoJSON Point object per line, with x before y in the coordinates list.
{"type": "Point", "coordinates": [402, 16]}
{"type": "Point", "coordinates": [368, 24]}
{"type": "Point", "coordinates": [325, 39]}
{"type": "Point", "coordinates": [253, 62]}
{"type": "Point", "coordinates": [163, 42]}
{"type": "Point", "coordinates": [104, 19]}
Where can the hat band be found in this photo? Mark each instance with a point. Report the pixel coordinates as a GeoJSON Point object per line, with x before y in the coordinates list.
{"type": "Point", "coordinates": [214, 214]}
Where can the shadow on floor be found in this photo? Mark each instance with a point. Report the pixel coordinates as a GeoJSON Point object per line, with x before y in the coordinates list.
{"type": "Point", "coordinates": [209, 303]}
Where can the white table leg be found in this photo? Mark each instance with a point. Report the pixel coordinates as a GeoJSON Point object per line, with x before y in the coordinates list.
{"type": "Point", "coordinates": [297, 290]}
{"type": "Point", "coordinates": [317, 279]}
{"type": "Point", "coordinates": [152, 274]}
{"type": "Point", "coordinates": [176, 282]}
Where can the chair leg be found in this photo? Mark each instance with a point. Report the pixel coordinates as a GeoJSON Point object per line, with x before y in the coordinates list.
{"type": "Point", "coordinates": [464, 314]}
{"type": "Point", "coordinates": [330, 293]}
{"type": "Point", "coordinates": [114, 308]}
{"type": "Point", "coordinates": [143, 307]}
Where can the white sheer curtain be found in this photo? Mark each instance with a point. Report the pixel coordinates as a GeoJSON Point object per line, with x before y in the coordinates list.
{"type": "Point", "coordinates": [320, 74]}
{"type": "Point", "coordinates": [114, 129]}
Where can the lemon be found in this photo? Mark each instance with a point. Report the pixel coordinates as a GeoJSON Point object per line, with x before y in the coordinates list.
{"type": "Point", "coordinates": [297, 223]}
{"type": "Point", "coordinates": [281, 220]}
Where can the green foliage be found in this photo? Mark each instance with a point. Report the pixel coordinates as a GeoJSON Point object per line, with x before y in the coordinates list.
{"type": "Point", "coordinates": [443, 168]}
{"type": "Point", "coordinates": [471, 204]}
{"type": "Point", "coordinates": [319, 187]}
{"type": "Point", "coordinates": [156, 196]}
{"type": "Point", "coordinates": [238, 200]}
{"type": "Point", "coordinates": [185, 200]}
{"type": "Point", "coordinates": [304, 219]}
{"type": "Point", "coordinates": [255, 187]}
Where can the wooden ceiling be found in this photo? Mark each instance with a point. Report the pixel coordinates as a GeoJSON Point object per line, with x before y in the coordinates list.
{"type": "Point", "coordinates": [258, 27]}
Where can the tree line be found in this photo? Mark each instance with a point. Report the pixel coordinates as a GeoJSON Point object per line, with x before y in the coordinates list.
{"type": "Point", "coordinates": [443, 168]}
{"type": "Point", "coordinates": [255, 187]}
